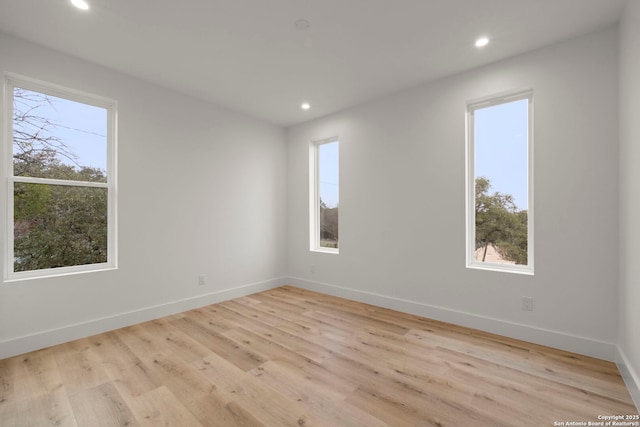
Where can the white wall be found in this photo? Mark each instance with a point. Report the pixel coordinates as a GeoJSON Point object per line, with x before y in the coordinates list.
{"type": "Point", "coordinates": [201, 190]}
{"type": "Point", "coordinates": [630, 194]}
{"type": "Point", "coordinates": [402, 195]}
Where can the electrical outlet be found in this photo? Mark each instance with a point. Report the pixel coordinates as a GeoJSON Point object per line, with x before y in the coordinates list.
{"type": "Point", "coordinates": [527, 303]}
{"type": "Point", "coordinates": [202, 279]}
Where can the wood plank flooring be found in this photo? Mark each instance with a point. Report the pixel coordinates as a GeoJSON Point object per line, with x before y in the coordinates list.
{"type": "Point", "coordinates": [291, 357]}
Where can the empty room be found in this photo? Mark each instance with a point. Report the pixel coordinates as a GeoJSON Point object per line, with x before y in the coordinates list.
{"type": "Point", "coordinates": [319, 213]}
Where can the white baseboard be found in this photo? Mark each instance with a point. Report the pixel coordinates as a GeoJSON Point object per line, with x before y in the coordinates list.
{"type": "Point", "coordinates": [25, 344]}
{"type": "Point", "coordinates": [555, 339]}
{"type": "Point", "coordinates": [630, 377]}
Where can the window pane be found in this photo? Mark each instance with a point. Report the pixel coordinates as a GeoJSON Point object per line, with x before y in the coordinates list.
{"type": "Point", "coordinates": [59, 226]}
{"type": "Point", "coordinates": [501, 183]}
{"type": "Point", "coordinates": [57, 138]}
{"type": "Point", "coordinates": [328, 193]}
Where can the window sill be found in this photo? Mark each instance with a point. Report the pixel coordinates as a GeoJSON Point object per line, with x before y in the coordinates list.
{"type": "Point", "coordinates": [502, 268]}
{"type": "Point", "coordinates": [326, 250]}
{"type": "Point", "coordinates": [58, 272]}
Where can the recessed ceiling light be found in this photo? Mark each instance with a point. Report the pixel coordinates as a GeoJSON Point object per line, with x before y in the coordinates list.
{"type": "Point", "coordinates": [305, 106]}
{"type": "Point", "coordinates": [482, 41]}
{"type": "Point", "coordinates": [80, 4]}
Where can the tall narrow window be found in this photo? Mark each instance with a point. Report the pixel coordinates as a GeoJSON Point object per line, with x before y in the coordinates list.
{"type": "Point", "coordinates": [324, 195]}
{"type": "Point", "coordinates": [499, 186]}
{"type": "Point", "coordinates": [61, 176]}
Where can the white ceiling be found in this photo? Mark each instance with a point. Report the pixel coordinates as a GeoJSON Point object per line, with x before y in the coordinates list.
{"type": "Point", "coordinates": [248, 56]}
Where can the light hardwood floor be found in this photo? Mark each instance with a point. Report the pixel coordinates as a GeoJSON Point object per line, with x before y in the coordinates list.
{"type": "Point", "coordinates": [290, 357]}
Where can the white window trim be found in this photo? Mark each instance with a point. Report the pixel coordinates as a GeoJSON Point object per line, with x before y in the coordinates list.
{"type": "Point", "coordinates": [6, 169]}
{"type": "Point", "coordinates": [314, 197]}
{"type": "Point", "coordinates": [472, 106]}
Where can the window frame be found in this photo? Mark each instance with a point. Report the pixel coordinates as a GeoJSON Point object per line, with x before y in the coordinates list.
{"type": "Point", "coordinates": [314, 196]}
{"type": "Point", "coordinates": [10, 82]}
{"type": "Point", "coordinates": [471, 107]}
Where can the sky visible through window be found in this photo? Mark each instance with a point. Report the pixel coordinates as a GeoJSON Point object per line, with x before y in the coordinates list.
{"type": "Point", "coordinates": [328, 173]}
{"type": "Point", "coordinates": [501, 148]}
{"type": "Point", "coordinates": [80, 127]}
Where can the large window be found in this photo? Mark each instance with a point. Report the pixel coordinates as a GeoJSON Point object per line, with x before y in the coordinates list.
{"type": "Point", "coordinates": [499, 183]}
{"type": "Point", "coordinates": [60, 147]}
{"type": "Point", "coordinates": [324, 195]}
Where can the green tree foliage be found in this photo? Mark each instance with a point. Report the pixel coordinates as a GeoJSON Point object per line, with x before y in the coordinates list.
{"type": "Point", "coordinates": [328, 226]}
{"type": "Point", "coordinates": [499, 223]}
{"type": "Point", "coordinates": [54, 225]}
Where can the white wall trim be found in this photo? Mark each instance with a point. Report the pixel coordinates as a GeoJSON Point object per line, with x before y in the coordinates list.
{"type": "Point", "coordinates": [630, 377]}
{"type": "Point", "coordinates": [27, 343]}
{"type": "Point", "coordinates": [555, 339]}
